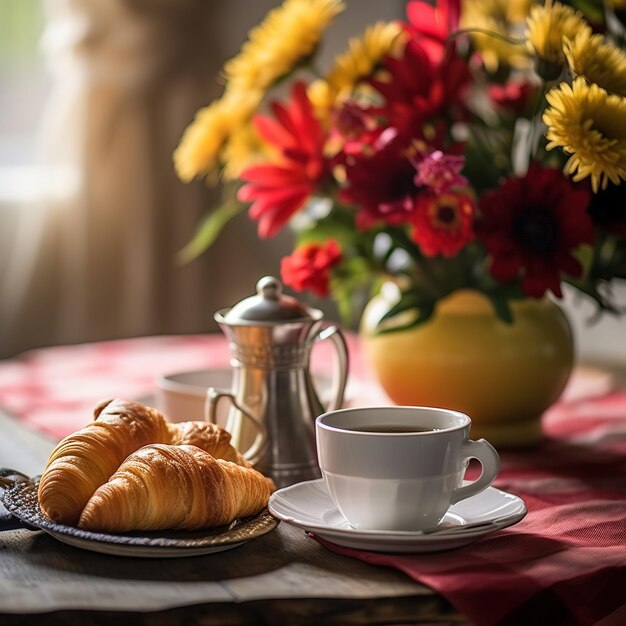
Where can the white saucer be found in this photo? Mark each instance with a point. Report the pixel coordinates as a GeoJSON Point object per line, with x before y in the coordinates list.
{"type": "Point", "coordinates": [308, 505]}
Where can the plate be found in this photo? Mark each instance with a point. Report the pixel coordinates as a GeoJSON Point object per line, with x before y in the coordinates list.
{"type": "Point", "coordinates": [308, 505]}
{"type": "Point", "coordinates": [21, 501]}
{"type": "Point", "coordinates": [140, 551]}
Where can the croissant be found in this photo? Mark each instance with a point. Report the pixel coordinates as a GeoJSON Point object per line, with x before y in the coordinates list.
{"type": "Point", "coordinates": [87, 459]}
{"type": "Point", "coordinates": [178, 487]}
{"type": "Point", "coordinates": [208, 437]}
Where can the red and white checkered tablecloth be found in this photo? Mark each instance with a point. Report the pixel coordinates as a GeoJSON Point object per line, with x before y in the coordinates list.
{"type": "Point", "coordinates": [55, 389]}
{"type": "Point", "coordinates": [564, 564]}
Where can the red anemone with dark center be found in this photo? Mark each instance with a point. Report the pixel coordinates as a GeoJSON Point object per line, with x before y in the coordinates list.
{"type": "Point", "coordinates": [443, 224]}
{"type": "Point", "coordinates": [279, 189]}
{"type": "Point", "coordinates": [309, 267]}
{"type": "Point", "coordinates": [531, 225]}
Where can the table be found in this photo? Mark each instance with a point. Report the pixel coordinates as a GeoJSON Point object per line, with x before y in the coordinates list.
{"type": "Point", "coordinates": [281, 578]}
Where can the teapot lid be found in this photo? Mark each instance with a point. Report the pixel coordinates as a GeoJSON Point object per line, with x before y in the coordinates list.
{"type": "Point", "coordinates": [268, 305]}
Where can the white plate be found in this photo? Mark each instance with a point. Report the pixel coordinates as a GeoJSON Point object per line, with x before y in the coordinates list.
{"type": "Point", "coordinates": [308, 505]}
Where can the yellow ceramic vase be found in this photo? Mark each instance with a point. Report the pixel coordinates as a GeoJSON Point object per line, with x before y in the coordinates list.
{"type": "Point", "coordinates": [504, 376]}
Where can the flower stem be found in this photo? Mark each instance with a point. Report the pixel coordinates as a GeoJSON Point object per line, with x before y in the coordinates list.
{"type": "Point", "coordinates": [422, 266]}
{"type": "Point", "coordinates": [537, 123]}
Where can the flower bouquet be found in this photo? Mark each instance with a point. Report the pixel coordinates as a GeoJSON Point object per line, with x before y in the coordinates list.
{"type": "Point", "coordinates": [477, 145]}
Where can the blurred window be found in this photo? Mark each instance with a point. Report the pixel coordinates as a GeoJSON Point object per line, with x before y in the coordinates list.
{"type": "Point", "coordinates": [23, 88]}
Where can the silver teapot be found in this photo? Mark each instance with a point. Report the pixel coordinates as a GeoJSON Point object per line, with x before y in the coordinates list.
{"type": "Point", "coordinates": [273, 400]}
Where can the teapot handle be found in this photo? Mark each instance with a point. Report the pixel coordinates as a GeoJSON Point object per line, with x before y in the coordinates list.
{"type": "Point", "coordinates": [254, 453]}
{"type": "Point", "coordinates": [340, 373]}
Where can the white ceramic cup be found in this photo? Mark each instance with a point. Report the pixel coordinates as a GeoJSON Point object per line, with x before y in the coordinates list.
{"type": "Point", "coordinates": [399, 480]}
{"type": "Point", "coordinates": [182, 395]}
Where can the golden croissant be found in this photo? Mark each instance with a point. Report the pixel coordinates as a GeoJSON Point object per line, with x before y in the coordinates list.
{"type": "Point", "coordinates": [88, 458]}
{"type": "Point", "coordinates": [179, 487]}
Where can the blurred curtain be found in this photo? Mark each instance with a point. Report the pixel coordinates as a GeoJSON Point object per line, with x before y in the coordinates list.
{"type": "Point", "coordinates": [96, 259]}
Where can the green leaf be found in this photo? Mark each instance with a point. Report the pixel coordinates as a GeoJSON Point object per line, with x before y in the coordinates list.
{"type": "Point", "coordinates": [591, 9]}
{"type": "Point", "coordinates": [208, 231]}
{"type": "Point", "coordinates": [609, 259]}
{"type": "Point", "coordinates": [422, 314]}
{"type": "Point", "coordinates": [350, 282]}
{"type": "Point", "coordinates": [585, 256]}
{"type": "Point", "coordinates": [337, 225]}
{"type": "Point", "coordinates": [343, 297]}
{"type": "Point", "coordinates": [590, 289]}
{"type": "Point", "coordinates": [409, 300]}
{"type": "Point", "coordinates": [501, 307]}
{"type": "Point", "coordinates": [420, 304]}
{"type": "Point", "coordinates": [487, 156]}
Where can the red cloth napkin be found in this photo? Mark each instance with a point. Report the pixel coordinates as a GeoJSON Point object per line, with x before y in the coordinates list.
{"type": "Point", "coordinates": [565, 563]}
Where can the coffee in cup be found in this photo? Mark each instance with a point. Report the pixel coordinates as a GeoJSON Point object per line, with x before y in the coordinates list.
{"type": "Point", "coordinates": [399, 468]}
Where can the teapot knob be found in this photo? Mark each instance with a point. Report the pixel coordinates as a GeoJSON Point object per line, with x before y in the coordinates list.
{"type": "Point", "coordinates": [270, 288]}
{"type": "Point", "coordinates": [268, 306]}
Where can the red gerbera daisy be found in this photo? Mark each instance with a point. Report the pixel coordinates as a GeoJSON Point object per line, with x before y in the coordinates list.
{"type": "Point", "coordinates": [432, 25]}
{"type": "Point", "coordinates": [530, 226]}
{"type": "Point", "coordinates": [278, 190]}
{"type": "Point", "coordinates": [443, 224]}
{"type": "Point", "coordinates": [309, 266]}
{"type": "Point", "coordinates": [418, 89]}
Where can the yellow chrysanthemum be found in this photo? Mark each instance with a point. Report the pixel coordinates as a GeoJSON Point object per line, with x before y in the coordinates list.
{"type": "Point", "coordinates": [503, 18]}
{"type": "Point", "coordinates": [547, 27]}
{"type": "Point", "coordinates": [244, 147]}
{"type": "Point", "coordinates": [199, 149]}
{"type": "Point", "coordinates": [357, 62]}
{"type": "Point", "coordinates": [599, 62]}
{"type": "Point", "coordinates": [616, 5]}
{"type": "Point", "coordinates": [590, 124]}
{"type": "Point", "coordinates": [288, 35]}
